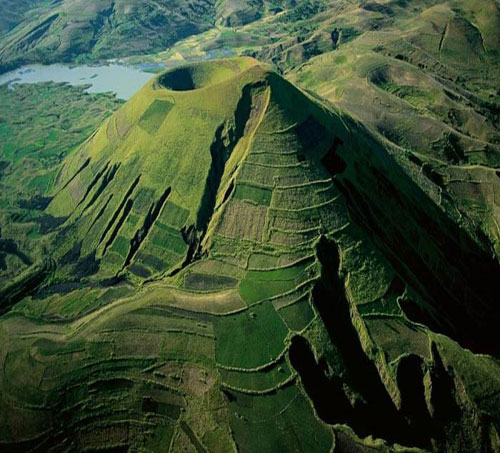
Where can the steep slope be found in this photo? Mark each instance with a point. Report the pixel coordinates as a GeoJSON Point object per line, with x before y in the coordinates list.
{"type": "Point", "coordinates": [76, 30]}
{"type": "Point", "coordinates": [426, 79]}
{"type": "Point", "coordinates": [235, 13]}
{"type": "Point", "coordinates": [244, 268]}
{"type": "Point", "coordinates": [13, 13]}
{"type": "Point", "coordinates": [103, 29]}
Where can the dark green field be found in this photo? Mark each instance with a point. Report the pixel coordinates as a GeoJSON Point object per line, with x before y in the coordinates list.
{"type": "Point", "coordinates": [298, 252]}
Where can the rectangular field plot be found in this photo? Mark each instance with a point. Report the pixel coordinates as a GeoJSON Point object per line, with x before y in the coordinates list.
{"type": "Point", "coordinates": [139, 270]}
{"type": "Point", "coordinates": [208, 282]}
{"type": "Point", "coordinates": [253, 194]}
{"type": "Point", "coordinates": [297, 315]}
{"type": "Point", "coordinates": [208, 266]}
{"type": "Point", "coordinates": [243, 220]}
{"type": "Point", "coordinates": [152, 261]}
{"type": "Point", "coordinates": [154, 116]}
{"type": "Point", "coordinates": [165, 237]}
{"type": "Point", "coordinates": [144, 199]}
{"type": "Point", "coordinates": [261, 285]}
{"type": "Point", "coordinates": [173, 215]}
{"type": "Point", "coordinates": [289, 239]}
{"type": "Point", "coordinates": [249, 339]}
{"type": "Point", "coordinates": [132, 222]}
{"type": "Point", "coordinates": [121, 246]}
{"type": "Point", "coordinates": [303, 197]}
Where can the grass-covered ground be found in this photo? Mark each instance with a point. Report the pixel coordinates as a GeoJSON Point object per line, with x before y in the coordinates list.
{"type": "Point", "coordinates": [77, 30]}
{"type": "Point", "coordinates": [39, 126]}
{"type": "Point", "coordinates": [230, 263]}
{"type": "Point", "coordinates": [219, 280]}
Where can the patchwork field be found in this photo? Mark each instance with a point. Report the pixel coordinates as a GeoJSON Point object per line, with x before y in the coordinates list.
{"type": "Point", "coordinates": [296, 255]}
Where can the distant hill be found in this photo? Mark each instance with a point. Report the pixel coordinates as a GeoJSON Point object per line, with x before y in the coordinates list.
{"type": "Point", "coordinates": [105, 29]}
{"type": "Point", "coordinates": [229, 250]}
{"type": "Point", "coordinates": [71, 30]}
{"type": "Point", "coordinates": [13, 13]}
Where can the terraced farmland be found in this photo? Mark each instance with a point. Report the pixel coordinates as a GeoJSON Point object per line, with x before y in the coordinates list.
{"type": "Point", "coordinates": [221, 281]}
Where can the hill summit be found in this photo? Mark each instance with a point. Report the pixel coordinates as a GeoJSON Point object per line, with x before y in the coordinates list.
{"type": "Point", "coordinates": [193, 159]}
{"type": "Point", "coordinates": [239, 266]}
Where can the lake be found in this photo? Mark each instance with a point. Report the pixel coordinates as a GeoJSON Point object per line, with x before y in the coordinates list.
{"type": "Point", "coordinates": [125, 81]}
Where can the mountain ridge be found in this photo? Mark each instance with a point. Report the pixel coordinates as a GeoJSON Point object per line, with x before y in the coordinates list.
{"type": "Point", "coordinates": [220, 261]}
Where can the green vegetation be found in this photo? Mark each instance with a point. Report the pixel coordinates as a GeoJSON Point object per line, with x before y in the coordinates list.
{"type": "Point", "coordinates": [39, 126]}
{"type": "Point", "coordinates": [277, 375]}
{"type": "Point", "coordinates": [75, 30]}
{"type": "Point", "coordinates": [14, 12]}
{"type": "Point", "coordinates": [283, 420]}
{"type": "Point", "coordinates": [261, 285]}
{"type": "Point", "coordinates": [254, 194]}
{"type": "Point", "coordinates": [298, 315]}
{"type": "Point", "coordinates": [232, 263]}
{"type": "Point", "coordinates": [250, 339]}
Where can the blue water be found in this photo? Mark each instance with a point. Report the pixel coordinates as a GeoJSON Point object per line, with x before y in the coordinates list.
{"type": "Point", "coordinates": [125, 81]}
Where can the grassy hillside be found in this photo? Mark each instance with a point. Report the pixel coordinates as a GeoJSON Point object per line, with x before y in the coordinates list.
{"type": "Point", "coordinates": [39, 126]}
{"type": "Point", "coordinates": [236, 260]}
{"type": "Point", "coordinates": [14, 12]}
{"type": "Point", "coordinates": [241, 267]}
{"type": "Point", "coordinates": [77, 29]}
{"type": "Point", "coordinates": [428, 83]}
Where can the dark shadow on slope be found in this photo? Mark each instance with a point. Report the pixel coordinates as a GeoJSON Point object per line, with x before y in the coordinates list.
{"type": "Point", "coordinates": [100, 213]}
{"type": "Point", "coordinates": [31, 38]}
{"type": "Point", "coordinates": [83, 167]}
{"type": "Point", "coordinates": [219, 152]}
{"type": "Point", "coordinates": [141, 233]}
{"type": "Point", "coordinates": [107, 178]}
{"type": "Point", "coordinates": [433, 255]}
{"type": "Point", "coordinates": [120, 207]}
{"type": "Point", "coordinates": [93, 183]}
{"type": "Point", "coordinates": [327, 394]}
{"type": "Point", "coordinates": [23, 285]}
{"type": "Point", "coordinates": [430, 252]}
{"type": "Point", "coordinates": [332, 161]}
{"type": "Point", "coordinates": [375, 413]}
{"type": "Point", "coordinates": [37, 203]}
{"type": "Point", "coordinates": [87, 266]}
{"type": "Point", "coordinates": [410, 380]}
{"type": "Point", "coordinates": [10, 247]}
{"type": "Point", "coordinates": [121, 221]}
{"type": "Point", "coordinates": [443, 390]}
{"type": "Point", "coordinates": [225, 140]}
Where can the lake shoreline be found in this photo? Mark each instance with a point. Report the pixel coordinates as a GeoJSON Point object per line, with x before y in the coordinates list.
{"type": "Point", "coordinates": [123, 80]}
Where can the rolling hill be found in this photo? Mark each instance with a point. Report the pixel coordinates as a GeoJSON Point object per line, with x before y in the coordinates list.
{"type": "Point", "coordinates": [76, 29]}
{"type": "Point", "coordinates": [234, 264]}
{"type": "Point", "coordinates": [14, 13]}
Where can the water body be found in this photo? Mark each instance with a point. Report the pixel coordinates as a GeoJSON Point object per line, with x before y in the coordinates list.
{"type": "Point", "coordinates": [125, 81]}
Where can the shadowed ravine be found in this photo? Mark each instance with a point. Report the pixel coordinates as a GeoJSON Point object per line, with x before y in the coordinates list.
{"type": "Point", "coordinates": [374, 411]}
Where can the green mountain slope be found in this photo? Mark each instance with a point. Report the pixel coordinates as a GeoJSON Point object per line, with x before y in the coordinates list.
{"type": "Point", "coordinates": [105, 29]}
{"type": "Point", "coordinates": [70, 30]}
{"type": "Point", "coordinates": [240, 267]}
{"type": "Point", "coordinates": [428, 83]}
{"type": "Point", "coordinates": [13, 13]}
